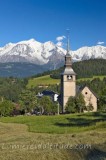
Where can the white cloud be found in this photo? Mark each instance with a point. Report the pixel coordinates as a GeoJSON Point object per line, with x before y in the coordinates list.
{"type": "Point", "coordinates": [59, 44]}
{"type": "Point", "coordinates": [60, 41]}
{"type": "Point", "coordinates": [99, 43]}
{"type": "Point", "coordinates": [60, 38]}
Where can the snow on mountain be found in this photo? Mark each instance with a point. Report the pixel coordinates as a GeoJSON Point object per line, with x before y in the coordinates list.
{"type": "Point", "coordinates": [85, 53]}
{"type": "Point", "coordinates": [29, 51]}
{"type": "Point", "coordinates": [32, 51]}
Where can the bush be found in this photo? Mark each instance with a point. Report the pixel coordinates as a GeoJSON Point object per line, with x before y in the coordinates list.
{"type": "Point", "coordinates": [6, 108]}
{"type": "Point", "coordinates": [75, 104]}
{"type": "Point", "coordinates": [71, 105]}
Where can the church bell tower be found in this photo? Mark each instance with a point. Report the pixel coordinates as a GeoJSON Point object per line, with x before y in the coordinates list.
{"type": "Point", "coordinates": [68, 79]}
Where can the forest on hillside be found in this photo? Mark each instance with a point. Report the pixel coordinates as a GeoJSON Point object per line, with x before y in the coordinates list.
{"type": "Point", "coordinates": [83, 69]}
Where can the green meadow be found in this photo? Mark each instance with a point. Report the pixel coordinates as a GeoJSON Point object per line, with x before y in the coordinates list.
{"type": "Point", "coordinates": [44, 80]}
{"type": "Point", "coordinates": [85, 79]}
{"type": "Point", "coordinates": [60, 124]}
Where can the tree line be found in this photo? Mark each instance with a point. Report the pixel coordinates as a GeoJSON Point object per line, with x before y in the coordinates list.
{"type": "Point", "coordinates": [85, 69]}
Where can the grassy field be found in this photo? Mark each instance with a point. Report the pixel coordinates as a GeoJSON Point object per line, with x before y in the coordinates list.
{"type": "Point", "coordinates": [44, 80]}
{"type": "Point", "coordinates": [47, 80]}
{"type": "Point", "coordinates": [84, 137]}
{"type": "Point", "coordinates": [61, 124]}
{"type": "Point", "coordinates": [83, 79]}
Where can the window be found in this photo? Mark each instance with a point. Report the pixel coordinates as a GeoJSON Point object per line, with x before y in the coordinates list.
{"type": "Point", "coordinates": [69, 77]}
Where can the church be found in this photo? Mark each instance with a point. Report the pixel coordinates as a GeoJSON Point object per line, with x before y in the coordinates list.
{"type": "Point", "coordinates": [69, 87]}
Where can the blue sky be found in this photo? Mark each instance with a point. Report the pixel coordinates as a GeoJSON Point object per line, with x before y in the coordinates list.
{"type": "Point", "coordinates": [45, 20]}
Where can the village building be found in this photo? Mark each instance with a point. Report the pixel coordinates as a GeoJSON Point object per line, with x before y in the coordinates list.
{"type": "Point", "coordinates": [53, 95]}
{"type": "Point", "coordinates": [69, 87]}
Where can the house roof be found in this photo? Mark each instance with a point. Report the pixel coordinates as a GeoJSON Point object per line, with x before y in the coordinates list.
{"type": "Point", "coordinates": [46, 93]}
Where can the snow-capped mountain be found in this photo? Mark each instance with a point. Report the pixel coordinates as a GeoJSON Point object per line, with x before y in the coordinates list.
{"type": "Point", "coordinates": [29, 51]}
{"type": "Point", "coordinates": [48, 53]}
{"type": "Point", "coordinates": [85, 53]}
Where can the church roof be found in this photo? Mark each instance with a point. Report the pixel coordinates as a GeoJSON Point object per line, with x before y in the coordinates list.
{"type": "Point", "coordinates": [68, 55]}
{"type": "Point", "coordinates": [80, 88]}
{"type": "Point", "coordinates": [68, 71]}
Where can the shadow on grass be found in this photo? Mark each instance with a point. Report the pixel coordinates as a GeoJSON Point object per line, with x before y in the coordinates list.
{"type": "Point", "coordinates": [80, 122]}
{"type": "Point", "coordinates": [97, 152]}
{"type": "Point", "coordinates": [93, 114]}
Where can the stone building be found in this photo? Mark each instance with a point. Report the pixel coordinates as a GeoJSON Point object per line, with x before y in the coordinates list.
{"type": "Point", "coordinates": [89, 96]}
{"type": "Point", "coordinates": [69, 88]}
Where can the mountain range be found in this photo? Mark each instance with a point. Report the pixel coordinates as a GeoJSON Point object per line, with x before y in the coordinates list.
{"type": "Point", "coordinates": [44, 56]}
{"type": "Point", "coordinates": [32, 51]}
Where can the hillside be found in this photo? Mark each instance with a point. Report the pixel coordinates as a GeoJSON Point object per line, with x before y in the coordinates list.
{"type": "Point", "coordinates": [47, 80]}
{"type": "Point", "coordinates": [86, 68]}
{"type": "Point", "coordinates": [90, 68]}
{"type": "Point", "coordinates": [83, 69]}
{"type": "Point", "coordinates": [20, 69]}
{"type": "Point", "coordinates": [43, 81]}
